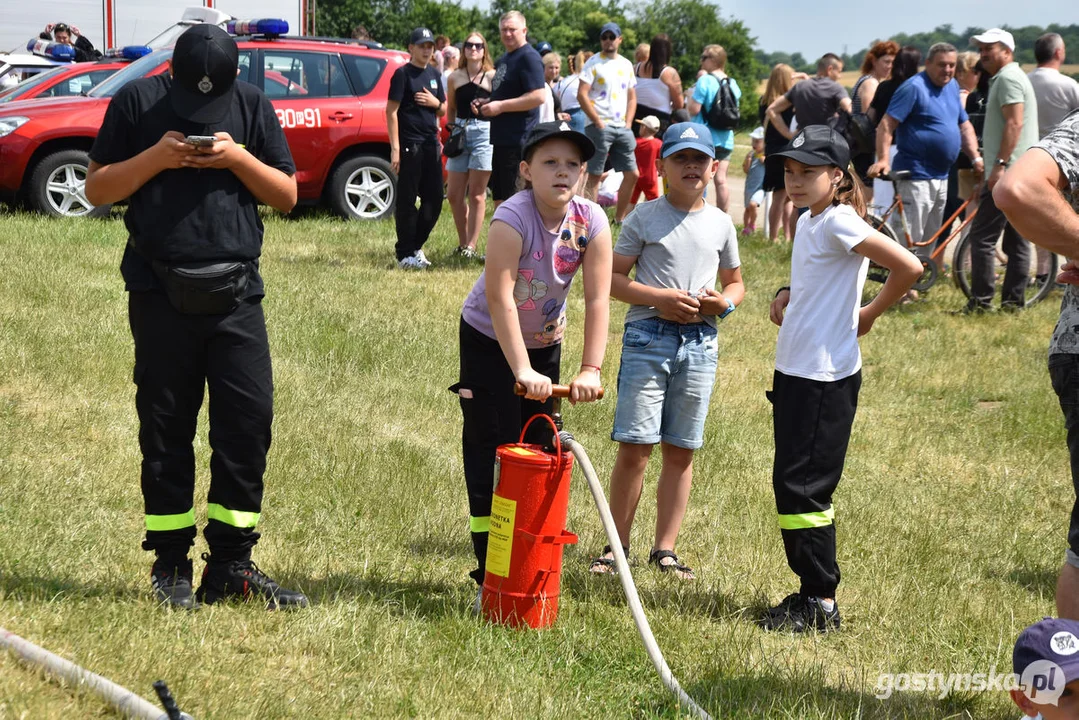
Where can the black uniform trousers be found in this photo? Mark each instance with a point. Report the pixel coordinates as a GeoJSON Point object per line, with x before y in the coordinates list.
{"type": "Point", "coordinates": [420, 176]}
{"type": "Point", "coordinates": [176, 357]}
{"type": "Point", "coordinates": [812, 421]}
{"type": "Point", "coordinates": [493, 416]}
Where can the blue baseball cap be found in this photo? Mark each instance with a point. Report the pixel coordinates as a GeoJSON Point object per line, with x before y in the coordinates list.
{"type": "Point", "coordinates": [543, 48]}
{"type": "Point", "coordinates": [1046, 658]}
{"type": "Point", "coordinates": [420, 36]}
{"type": "Point", "coordinates": [687, 135]}
{"type": "Point", "coordinates": [611, 27]}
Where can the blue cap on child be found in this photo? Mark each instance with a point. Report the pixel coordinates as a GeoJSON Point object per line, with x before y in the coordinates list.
{"type": "Point", "coordinates": [687, 135]}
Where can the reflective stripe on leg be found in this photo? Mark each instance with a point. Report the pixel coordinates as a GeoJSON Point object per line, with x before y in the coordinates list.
{"type": "Point", "coordinates": [160, 523]}
{"type": "Point", "coordinates": [801, 521]}
{"type": "Point", "coordinates": [235, 518]}
{"type": "Point", "coordinates": [479, 524]}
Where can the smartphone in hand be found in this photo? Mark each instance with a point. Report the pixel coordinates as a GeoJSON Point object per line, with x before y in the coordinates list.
{"type": "Point", "coordinates": [200, 140]}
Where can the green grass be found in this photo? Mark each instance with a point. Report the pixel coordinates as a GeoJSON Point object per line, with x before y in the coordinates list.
{"type": "Point", "coordinates": [951, 514]}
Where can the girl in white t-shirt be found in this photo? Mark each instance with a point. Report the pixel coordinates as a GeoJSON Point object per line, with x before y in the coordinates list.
{"type": "Point", "coordinates": [818, 362]}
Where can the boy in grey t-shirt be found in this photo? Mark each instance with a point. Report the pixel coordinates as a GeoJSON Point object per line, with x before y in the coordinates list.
{"type": "Point", "coordinates": [678, 244]}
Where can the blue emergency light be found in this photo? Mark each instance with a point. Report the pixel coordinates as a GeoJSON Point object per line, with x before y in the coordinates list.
{"type": "Point", "coordinates": [128, 52]}
{"type": "Point", "coordinates": [51, 50]}
{"type": "Point", "coordinates": [263, 26]}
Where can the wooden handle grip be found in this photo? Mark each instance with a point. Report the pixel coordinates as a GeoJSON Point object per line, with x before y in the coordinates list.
{"type": "Point", "coordinates": [558, 391]}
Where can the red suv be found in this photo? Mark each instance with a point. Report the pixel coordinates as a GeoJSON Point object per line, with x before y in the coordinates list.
{"type": "Point", "coordinates": [330, 98]}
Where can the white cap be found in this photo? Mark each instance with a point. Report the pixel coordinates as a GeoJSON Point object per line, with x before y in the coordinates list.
{"type": "Point", "coordinates": [995, 35]}
{"type": "Point", "coordinates": [651, 122]}
{"type": "Point", "coordinates": [757, 134]}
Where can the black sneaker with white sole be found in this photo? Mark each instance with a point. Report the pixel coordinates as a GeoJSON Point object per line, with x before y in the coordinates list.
{"type": "Point", "coordinates": [242, 580]}
{"type": "Point", "coordinates": [171, 581]}
{"type": "Point", "coordinates": [800, 613]}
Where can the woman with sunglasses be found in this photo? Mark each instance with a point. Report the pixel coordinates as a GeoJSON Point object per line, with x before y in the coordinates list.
{"type": "Point", "coordinates": [470, 171]}
{"type": "Point", "coordinates": [69, 35]}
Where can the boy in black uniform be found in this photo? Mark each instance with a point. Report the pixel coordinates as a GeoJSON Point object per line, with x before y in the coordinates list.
{"type": "Point", "coordinates": [194, 303]}
{"type": "Point", "coordinates": [416, 101]}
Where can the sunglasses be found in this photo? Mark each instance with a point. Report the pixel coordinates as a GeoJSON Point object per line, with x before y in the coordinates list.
{"type": "Point", "coordinates": [705, 57]}
{"type": "Point", "coordinates": [473, 46]}
{"type": "Point", "coordinates": [60, 27]}
{"type": "Point", "coordinates": [608, 36]}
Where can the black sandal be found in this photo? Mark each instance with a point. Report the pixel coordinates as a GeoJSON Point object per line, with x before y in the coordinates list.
{"type": "Point", "coordinates": [604, 565]}
{"type": "Point", "coordinates": [657, 556]}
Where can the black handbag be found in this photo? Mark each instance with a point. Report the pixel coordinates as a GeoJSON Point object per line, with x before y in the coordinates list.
{"type": "Point", "coordinates": [204, 288]}
{"type": "Point", "coordinates": [455, 143]}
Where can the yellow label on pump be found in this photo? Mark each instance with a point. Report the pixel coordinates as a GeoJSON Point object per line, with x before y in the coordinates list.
{"type": "Point", "coordinates": [500, 537]}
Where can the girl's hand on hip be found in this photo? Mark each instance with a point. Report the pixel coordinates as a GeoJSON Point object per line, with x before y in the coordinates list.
{"type": "Point", "coordinates": [779, 307]}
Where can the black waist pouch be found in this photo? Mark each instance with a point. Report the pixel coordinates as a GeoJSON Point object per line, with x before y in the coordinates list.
{"type": "Point", "coordinates": [204, 288]}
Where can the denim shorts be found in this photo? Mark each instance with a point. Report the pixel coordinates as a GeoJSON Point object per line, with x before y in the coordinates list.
{"type": "Point", "coordinates": [619, 143]}
{"type": "Point", "coordinates": [665, 383]}
{"type": "Point", "coordinates": [478, 150]}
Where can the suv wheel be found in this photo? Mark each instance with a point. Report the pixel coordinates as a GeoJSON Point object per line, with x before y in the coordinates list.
{"type": "Point", "coordinates": [363, 188]}
{"type": "Point", "coordinates": [58, 186]}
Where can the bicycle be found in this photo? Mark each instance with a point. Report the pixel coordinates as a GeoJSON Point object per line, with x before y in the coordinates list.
{"type": "Point", "coordinates": [1042, 275]}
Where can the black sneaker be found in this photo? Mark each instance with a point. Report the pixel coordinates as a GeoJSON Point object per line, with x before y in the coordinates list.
{"type": "Point", "coordinates": [242, 580]}
{"type": "Point", "coordinates": [1011, 307]}
{"type": "Point", "coordinates": [800, 613]}
{"type": "Point", "coordinates": [172, 583]}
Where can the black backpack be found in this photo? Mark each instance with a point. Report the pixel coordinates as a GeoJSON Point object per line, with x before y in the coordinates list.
{"type": "Point", "coordinates": [724, 113]}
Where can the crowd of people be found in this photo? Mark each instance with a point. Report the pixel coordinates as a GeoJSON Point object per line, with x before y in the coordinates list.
{"type": "Point", "coordinates": [195, 290]}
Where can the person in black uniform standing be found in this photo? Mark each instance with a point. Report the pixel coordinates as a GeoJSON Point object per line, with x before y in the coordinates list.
{"type": "Point", "coordinates": [416, 101]}
{"type": "Point", "coordinates": [196, 152]}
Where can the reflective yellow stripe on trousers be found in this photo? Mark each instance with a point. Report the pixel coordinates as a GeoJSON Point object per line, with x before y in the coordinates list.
{"type": "Point", "coordinates": [159, 523]}
{"type": "Point", "coordinates": [479, 524]}
{"type": "Point", "coordinates": [801, 521]}
{"type": "Point", "coordinates": [235, 518]}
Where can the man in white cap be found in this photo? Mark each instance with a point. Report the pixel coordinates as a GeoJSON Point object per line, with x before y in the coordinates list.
{"type": "Point", "coordinates": [1011, 127]}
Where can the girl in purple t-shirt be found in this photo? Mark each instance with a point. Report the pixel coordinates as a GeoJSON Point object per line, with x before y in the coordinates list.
{"type": "Point", "coordinates": [513, 320]}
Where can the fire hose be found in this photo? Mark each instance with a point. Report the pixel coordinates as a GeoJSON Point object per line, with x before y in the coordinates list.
{"type": "Point", "coordinates": [621, 564]}
{"type": "Point", "coordinates": [125, 701]}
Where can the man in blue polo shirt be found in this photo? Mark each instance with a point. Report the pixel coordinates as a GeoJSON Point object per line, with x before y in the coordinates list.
{"type": "Point", "coordinates": [929, 124]}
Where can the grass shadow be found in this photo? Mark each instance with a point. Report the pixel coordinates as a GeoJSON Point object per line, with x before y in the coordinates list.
{"type": "Point", "coordinates": [411, 598]}
{"type": "Point", "coordinates": [1037, 580]}
{"type": "Point", "coordinates": [28, 587]}
{"type": "Point", "coordinates": [688, 598]}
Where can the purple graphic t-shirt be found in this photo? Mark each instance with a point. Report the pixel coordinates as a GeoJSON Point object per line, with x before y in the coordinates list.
{"type": "Point", "coordinates": [546, 268]}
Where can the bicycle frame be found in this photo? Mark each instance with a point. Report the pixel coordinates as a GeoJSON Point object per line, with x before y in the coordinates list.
{"type": "Point", "coordinates": [897, 204]}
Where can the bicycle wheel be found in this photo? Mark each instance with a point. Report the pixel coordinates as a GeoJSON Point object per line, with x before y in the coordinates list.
{"type": "Point", "coordinates": [1040, 279]}
{"type": "Point", "coordinates": [877, 275]}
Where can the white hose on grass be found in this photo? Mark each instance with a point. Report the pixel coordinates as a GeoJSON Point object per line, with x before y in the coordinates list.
{"type": "Point", "coordinates": [624, 576]}
{"type": "Point", "coordinates": [125, 701]}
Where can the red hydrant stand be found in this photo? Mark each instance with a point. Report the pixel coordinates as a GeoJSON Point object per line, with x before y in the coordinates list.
{"type": "Point", "coordinates": [528, 519]}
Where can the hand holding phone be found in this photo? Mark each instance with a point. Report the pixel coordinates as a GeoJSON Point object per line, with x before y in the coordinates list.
{"type": "Point", "coordinates": [200, 140]}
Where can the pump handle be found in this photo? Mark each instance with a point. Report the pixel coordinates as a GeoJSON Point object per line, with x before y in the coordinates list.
{"type": "Point", "coordinates": [558, 391]}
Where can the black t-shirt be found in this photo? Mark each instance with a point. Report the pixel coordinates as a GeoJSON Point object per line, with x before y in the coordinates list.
{"type": "Point", "coordinates": [189, 215]}
{"type": "Point", "coordinates": [882, 98]}
{"type": "Point", "coordinates": [416, 124]}
{"type": "Point", "coordinates": [773, 139]}
{"type": "Point", "coordinates": [517, 73]}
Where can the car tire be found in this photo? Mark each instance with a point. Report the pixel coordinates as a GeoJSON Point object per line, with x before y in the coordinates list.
{"type": "Point", "coordinates": [363, 188]}
{"type": "Point", "coordinates": [58, 186]}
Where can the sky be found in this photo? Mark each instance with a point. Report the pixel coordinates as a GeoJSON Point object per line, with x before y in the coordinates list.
{"type": "Point", "coordinates": [832, 25]}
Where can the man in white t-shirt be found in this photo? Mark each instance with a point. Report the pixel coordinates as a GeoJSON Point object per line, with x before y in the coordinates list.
{"type": "Point", "coordinates": [1057, 94]}
{"type": "Point", "coordinates": [609, 99]}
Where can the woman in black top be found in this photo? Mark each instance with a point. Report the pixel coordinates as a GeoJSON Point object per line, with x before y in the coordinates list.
{"type": "Point", "coordinates": [469, 171]}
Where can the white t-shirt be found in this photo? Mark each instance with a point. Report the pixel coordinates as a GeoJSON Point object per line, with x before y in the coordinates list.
{"type": "Point", "coordinates": [819, 336]}
{"type": "Point", "coordinates": [611, 79]}
{"type": "Point", "coordinates": [546, 110]}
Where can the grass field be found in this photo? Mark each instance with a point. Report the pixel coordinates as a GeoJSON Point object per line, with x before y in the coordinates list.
{"type": "Point", "coordinates": [951, 515]}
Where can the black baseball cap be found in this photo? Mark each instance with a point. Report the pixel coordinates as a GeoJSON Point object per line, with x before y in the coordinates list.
{"type": "Point", "coordinates": [420, 36]}
{"type": "Point", "coordinates": [559, 129]}
{"type": "Point", "coordinates": [204, 64]}
{"type": "Point", "coordinates": [815, 145]}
